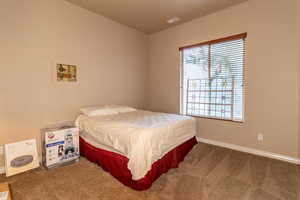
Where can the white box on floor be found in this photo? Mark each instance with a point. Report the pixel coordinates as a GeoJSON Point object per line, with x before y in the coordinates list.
{"type": "Point", "coordinates": [20, 157]}
{"type": "Point", "coordinates": [61, 146]}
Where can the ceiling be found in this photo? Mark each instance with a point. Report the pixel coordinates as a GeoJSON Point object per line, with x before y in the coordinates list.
{"type": "Point", "coordinates": [150, 16]}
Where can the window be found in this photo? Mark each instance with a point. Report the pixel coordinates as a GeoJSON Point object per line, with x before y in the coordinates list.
{"type": "Point", "coordinates": [212, 79]}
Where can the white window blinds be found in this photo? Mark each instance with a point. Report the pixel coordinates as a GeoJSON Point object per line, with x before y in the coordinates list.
{"type": "Point", "coordinates": [213, 79]}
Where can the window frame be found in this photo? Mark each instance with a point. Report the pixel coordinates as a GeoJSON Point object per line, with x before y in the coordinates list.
{"type": "Point", "coordinates": [225, 39]}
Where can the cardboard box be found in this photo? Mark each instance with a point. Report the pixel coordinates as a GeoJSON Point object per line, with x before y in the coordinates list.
{"type": "Point", "coordinates": [61, 146]}
{"type": "Point", "coordinates": [4, 187]}
{"type": "Point", "coordinates": [20, 157]}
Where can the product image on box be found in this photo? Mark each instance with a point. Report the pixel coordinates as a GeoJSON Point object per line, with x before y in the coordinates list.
{"type": "Point", "coordinates": [61, 146]}
{"type": "Point", "coordinates": [20, 157]}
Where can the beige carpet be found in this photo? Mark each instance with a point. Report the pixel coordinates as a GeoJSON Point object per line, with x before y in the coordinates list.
{"type": "Point", "coordinates": [208, 173]}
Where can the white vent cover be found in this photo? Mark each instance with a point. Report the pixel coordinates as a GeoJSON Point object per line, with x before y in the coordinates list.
{"type": "Point", "coordinates": [20, 157]}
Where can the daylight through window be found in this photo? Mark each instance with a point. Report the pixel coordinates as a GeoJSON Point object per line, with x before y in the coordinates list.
{"type": "Point", "coordinates": [213, 79]}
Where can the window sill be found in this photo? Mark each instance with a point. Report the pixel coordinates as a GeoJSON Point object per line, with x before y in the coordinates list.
{"type": "Point", "coordinates": [226, 120]}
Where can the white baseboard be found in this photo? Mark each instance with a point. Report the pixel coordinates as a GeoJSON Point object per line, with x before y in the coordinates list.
{"type": "Point", "coordinates": [251, 151]}
{"type": "Point", "coordinates": [2, 170]}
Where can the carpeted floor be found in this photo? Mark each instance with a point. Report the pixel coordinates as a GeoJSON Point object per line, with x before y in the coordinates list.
{"type": "Point", "coordinates": [208, 173]}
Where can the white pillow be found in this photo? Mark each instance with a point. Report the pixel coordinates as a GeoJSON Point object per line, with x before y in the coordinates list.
{"type": "Point", "coordinates": [106, 110]}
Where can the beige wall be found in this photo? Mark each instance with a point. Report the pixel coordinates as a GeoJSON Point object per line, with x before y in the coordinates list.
{"type": "Point", "coordinates": [34, 36]}
{"type": "Point", "coordinates": [272, 92]}
{"type": "Point", "coordinates": [298, 19]}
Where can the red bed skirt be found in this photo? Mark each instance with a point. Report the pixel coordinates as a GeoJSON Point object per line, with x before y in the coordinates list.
{"type": "Point", "coordinates": [116, 164]}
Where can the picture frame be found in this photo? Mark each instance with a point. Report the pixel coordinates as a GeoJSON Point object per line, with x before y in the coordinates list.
{"type": "Point", "coordinates": [66, 73]}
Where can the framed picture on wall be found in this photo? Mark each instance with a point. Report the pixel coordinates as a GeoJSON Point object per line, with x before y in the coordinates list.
{"type": "Point", "coordinates": [66, 73]}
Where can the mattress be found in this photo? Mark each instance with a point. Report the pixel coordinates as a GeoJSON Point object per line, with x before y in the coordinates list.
{"type": "Point", "coordinates": [141, 136]}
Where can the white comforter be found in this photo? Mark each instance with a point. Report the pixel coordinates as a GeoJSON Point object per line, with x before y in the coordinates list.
{"type": "Point", "coordinates": [142, 136]}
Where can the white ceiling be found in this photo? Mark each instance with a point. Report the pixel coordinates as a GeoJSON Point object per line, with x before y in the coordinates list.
{"type": "Point", "coordinates": [150, 16]}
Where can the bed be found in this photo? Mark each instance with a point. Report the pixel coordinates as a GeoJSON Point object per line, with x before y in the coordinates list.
{"type": "Point", "coordinates": [136, 146]}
